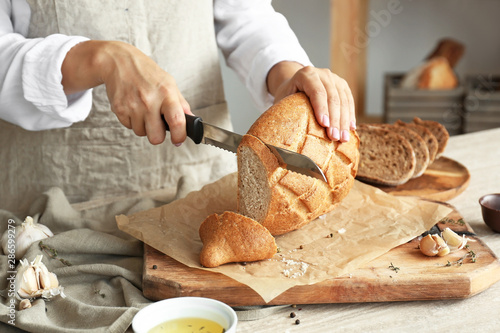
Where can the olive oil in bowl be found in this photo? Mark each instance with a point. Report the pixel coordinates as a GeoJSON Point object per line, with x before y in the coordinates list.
{"type": "Point", "coordinates": [188, 325]}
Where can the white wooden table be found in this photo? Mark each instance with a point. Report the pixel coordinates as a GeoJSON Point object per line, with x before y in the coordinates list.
{"type": "Point", "coordinates": [480, 153]}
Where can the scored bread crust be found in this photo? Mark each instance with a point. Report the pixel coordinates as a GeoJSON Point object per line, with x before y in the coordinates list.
{"type": "Point", "coordinates": [231, 237]}
{"type": "Point", "coordinates": [439, 131]}
{"type": "Point", "coordinates": [387, 158]}
{"type": "Point", "coordinates": [288, 200]}
{"type": "Point", "coordinates": [427, 136]}
{"type": "Point", "coordinates": [417, 143]}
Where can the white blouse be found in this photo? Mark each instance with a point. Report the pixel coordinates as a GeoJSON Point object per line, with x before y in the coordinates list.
{"type": "Point", "coordinates": [252, 37]}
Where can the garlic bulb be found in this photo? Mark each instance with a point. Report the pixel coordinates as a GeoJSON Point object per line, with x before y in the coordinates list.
{"type": "Point", "coordinates": [28, 233]}
{"type": "Point", "coordinates": [34, 280]}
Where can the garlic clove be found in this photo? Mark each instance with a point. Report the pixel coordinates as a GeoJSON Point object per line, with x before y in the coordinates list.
{"type": "Point", "coordinates": [454, 241]}
{"type": "Point", "coordinates": [433, 245]}
{"type": "Point", "coordinates": [54, 282]}
{"type": "Point", "coordinates": [30, 281]}
{"type": "Point", "coordinates": [24, 304]}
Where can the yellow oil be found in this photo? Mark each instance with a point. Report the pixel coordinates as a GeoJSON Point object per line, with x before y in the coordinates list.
{"type": "Point", "coordinates": [188, 325]}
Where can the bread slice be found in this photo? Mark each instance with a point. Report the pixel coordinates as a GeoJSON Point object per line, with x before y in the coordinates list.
{"type": "Point", "coordinates": [438, 130]}
{"type": "Point", "coordinates": [427, 136]}
{"type": "Point", "coordinates": [417, 143]}
{"type": "Point", "coordinates": [277, 198]}
{"type": "Point", "coordinates": [386, 158]}
{"type": "Point", "coordinates": [231, 237]}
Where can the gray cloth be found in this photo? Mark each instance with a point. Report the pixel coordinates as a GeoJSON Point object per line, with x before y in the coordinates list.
{"type": "Point", "coordinates": [103, 284]}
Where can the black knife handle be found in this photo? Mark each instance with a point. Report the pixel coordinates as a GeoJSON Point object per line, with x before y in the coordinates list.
{"type": "Point", "coordinates": [194, 127]}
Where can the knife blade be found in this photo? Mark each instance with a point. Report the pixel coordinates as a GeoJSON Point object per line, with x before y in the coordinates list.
{"type": "Point", "coordinates": [202, 132]}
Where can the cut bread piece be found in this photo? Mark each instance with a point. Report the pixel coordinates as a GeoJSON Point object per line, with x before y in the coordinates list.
{"type": "Point", "coordinates": [386, 158]}
{"type": "Point", "coordinates": [427, 136]}
{"type": "Point", "coordinates": [417, 143]}
{"type": "Point", "coordinates": [231, 237]}
{"type": "Point", "coordinates": [439, 131]}
{"type": "Point", "coordinates": [277, 198]}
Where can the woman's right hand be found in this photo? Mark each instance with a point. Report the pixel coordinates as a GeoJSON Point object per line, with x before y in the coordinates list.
{"type": "Point", "coordinates": [139, 91]}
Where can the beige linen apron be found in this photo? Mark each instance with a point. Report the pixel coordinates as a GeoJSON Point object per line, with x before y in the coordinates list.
{"type": "Point", "coordinates": [100, 158]}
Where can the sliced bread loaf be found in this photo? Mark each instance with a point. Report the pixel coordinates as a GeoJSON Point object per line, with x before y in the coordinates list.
{"type": "Point", "coordinates": [427, 136]}
{"type": "Point", "coordinates": [439, 131]}
{"type": "Point", "coordinates": [417, 143]}
{"type": "Point", "coordinates": [282, 200]}
{"type": "Point", "coordinates": [386, 158]}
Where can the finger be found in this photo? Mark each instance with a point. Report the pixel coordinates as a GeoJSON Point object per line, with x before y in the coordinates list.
{"type": "Point", "coordinates": [185, 105]}
{"type": "Point", "coordinates": [173, 112]}
{"type": "Point", "coordinates": [352, 110]}
{"type": "Point", "coordinates": [138, 124]}
{"type": "Point", "coordinates": [334, 105]}
{"type": "Point", "coordinates": [317, 93]}
{"type": "Point", "coordinates": [344, 116]}
{"type": "Point", "coordinates": [155, 127]}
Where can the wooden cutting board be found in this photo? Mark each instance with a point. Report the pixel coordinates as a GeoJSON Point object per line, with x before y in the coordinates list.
{"type": "Point", "coordinates": [416, 277]}
{"type": "Point", "coordinates": [443, 180]}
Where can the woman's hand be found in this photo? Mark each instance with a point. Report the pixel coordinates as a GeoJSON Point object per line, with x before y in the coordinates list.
{"type": "Point", "coordinates": [139, 91]}
{"type": "Point", "coordinates": [330, 95]}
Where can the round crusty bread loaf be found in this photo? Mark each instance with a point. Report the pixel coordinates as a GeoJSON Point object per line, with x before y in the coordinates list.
{"type": "Point", "coordinates": [417, 143]}
{"type": "Point", "coordinates": [282, 200]}
{"type": "Point", "coordinates": [387, 158]}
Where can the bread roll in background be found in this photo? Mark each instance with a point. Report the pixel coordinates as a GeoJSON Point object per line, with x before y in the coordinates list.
{"type": "Point", "coordinates": [434, 74]}
{"type": "Point", "coordinates": [450, 49]}
{"type": "Point", "coordinates": [282, 200]}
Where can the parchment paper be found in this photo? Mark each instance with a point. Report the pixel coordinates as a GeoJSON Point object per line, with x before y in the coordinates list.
{"type": "Point", "coordinates": [365, 225]}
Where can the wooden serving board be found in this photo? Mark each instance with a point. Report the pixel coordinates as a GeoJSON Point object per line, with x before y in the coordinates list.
{"type": "Point", "coordinates": [443, 180]}
{"type": "Point", "coordinates": [418, 277]}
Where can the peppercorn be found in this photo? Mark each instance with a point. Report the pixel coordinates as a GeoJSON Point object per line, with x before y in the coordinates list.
{"type": "Point", "coordinates": [297, 322]}
{"type": "Point", "coordinates": [155, 267]}
{"type": "Point", "coordinates": [292, 315]}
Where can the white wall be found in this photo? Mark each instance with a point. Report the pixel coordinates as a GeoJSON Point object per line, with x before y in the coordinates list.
{"type": "Point", "coordinates": [311, 22]}
{"type": "Point", "coordinates": [409, 36]}
{"type": "Point", "coordinates": [400, 43]}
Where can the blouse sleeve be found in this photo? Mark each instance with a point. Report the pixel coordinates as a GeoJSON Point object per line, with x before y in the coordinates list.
{"type": "Point", "coordinates": [31, 93]}
{"type": "Point", "coordinates": [253, 38]}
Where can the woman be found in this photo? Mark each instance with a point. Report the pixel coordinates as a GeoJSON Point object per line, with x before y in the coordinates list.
{"type": "Point", "coordinates": [66, 65]}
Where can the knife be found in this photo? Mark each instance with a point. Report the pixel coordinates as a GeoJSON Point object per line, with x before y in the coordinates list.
{"type": "Point", "coordinates": [202, 132]}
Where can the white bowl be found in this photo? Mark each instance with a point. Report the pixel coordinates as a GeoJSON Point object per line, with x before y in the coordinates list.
{"type": "Point", "coordinates": [181, 307]}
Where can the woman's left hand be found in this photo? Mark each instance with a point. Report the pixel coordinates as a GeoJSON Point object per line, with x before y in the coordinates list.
{"type": "Point", "coordinates": [330, 95]}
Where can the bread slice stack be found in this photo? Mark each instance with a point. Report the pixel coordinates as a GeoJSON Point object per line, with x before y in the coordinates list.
{"type": "Point", "coordinates": [392, 154]}
{"type": "Point", "coordinates": [271, 199]}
